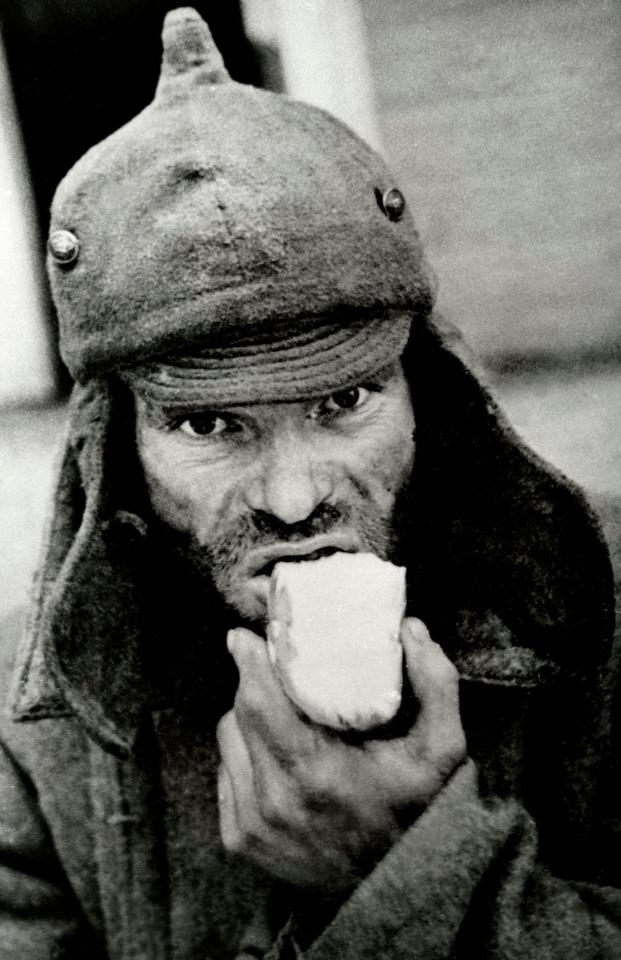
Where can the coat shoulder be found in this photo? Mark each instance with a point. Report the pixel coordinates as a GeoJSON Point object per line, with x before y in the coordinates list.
{"type": "Point", "coordinates": [608, 509]}
{"type": "Point", "coordinates": [36, 745]}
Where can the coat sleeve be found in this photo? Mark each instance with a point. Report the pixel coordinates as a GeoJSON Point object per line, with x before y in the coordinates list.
{"type": "Point", "coordinates": [465, 882]}
{"type": "Point", "coordinates": [39, 916]}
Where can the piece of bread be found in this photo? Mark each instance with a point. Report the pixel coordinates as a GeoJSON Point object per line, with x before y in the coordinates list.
{"type": "Point", "coordinates": [333, 637]}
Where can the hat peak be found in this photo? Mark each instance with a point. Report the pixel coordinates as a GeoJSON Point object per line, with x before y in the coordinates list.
{"type": "Point", "coordinates": [189, 48]}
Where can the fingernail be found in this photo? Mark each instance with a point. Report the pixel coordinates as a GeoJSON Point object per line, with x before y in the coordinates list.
{"type": "Point", "coordinates": [416, 630]}
{"type": "Point", "coordinates": [421, 642]}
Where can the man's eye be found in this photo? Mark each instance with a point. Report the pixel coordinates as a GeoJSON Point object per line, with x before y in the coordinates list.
{"type": "Point", "coordinates": [346, 399]}
{"type": "Point", "coordinates": [204, 425]}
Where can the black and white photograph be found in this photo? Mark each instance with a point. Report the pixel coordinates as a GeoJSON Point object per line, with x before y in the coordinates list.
{"type": "Point", "coordinates": [310, 483]}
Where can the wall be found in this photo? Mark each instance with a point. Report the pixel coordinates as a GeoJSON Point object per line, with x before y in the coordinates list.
{"type": "Point", "coordinates": [502, 120]}
{"type": "Point", "coordinates": [25, 364]}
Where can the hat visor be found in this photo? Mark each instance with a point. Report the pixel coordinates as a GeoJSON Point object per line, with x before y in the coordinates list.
{"type": "Point", "coordinates": [291, 366]}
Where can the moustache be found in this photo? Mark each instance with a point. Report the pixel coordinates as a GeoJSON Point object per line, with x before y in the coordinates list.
{"type": "Point", "coordinates": [261, 529]}
{"type": "Point", "coordinates": [232, 539]}
{"type": "Point", "coordinates": [228, 545]}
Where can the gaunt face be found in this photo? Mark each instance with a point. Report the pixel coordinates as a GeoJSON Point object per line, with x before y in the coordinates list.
{"type": "Point", "coordinates": [248, 486]}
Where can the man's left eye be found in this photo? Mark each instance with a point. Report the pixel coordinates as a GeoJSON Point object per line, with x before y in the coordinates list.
{"type": "Point", "coordinates": [346, 399]}
{"type": "Point", "coordinates": [204, 425]}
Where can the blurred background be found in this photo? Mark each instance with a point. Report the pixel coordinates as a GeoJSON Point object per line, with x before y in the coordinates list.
{"type": "Point", "coordinates": [500, 118]}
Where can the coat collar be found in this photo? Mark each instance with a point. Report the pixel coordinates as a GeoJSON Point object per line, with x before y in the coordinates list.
{"type": "Point", "coordinates": [81, 652]}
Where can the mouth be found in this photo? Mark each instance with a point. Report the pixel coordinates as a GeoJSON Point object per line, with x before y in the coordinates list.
{"type": "Point", "coordinates": [267, 569]}
{"type": "Point", "coordinates": [263, 562]}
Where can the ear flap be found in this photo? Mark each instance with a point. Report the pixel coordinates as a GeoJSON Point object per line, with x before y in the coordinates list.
{"type": "Point", "coordinates": [87, 623]}
{"type": "Point", "coordinates": [508, 560]}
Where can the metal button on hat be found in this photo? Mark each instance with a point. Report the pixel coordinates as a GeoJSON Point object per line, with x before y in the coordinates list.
{"type": "Point", "coordinates": [64, 246]}
{"type": "Point", "coordinates": [393, 203]}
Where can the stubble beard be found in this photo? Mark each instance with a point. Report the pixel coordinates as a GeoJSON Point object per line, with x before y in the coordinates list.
{"type": "Point", "coordinates": [219, 562]}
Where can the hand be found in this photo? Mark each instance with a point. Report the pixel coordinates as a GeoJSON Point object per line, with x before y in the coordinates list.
{"type": "Point", "coordinates": [306, 805]}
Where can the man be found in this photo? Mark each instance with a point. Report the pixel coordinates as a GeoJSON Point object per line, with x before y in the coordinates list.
{"type": "Point", "coordinates": [245, 307]}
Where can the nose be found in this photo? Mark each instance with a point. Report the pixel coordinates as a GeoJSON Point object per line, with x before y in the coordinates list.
{"type": "Point", "coordinates": [291, 481]}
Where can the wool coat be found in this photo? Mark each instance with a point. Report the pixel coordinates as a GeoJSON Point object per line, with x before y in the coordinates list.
{"type": "Point", "coordinates": [109, 838]}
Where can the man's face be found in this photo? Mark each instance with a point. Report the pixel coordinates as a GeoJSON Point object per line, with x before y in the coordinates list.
{"type": "Point", "coordinates": [251, 485]}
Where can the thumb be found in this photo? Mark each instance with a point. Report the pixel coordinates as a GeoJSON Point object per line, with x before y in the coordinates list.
{"type": "Point", "coordinates": [425, 660]}
{"type": "Point", "coordinates": [249, 651]}
{"type": "Point", "coordinates": [434, 680]}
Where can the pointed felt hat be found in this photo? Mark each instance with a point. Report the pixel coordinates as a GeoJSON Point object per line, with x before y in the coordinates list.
{"type": "Point", "coordinates": [238, 224]}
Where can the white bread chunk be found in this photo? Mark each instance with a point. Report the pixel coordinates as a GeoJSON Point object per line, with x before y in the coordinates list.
{"type": "Point", "coordinates": [333, 637]}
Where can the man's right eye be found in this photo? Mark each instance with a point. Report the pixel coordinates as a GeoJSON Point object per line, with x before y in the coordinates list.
{"type": "Point", "coordinates": [204, 425]}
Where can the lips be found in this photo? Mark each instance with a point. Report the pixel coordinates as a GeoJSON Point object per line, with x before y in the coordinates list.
{"type": "Point", "coordinates": [266, 571]}
{"type": "Point", "coordinates": [261, 562]}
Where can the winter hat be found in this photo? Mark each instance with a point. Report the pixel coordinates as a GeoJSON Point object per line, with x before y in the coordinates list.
{"type": "Point", "coordinates": [235, 225]}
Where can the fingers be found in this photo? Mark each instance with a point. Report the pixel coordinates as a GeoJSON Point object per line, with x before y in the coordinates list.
{"type": "Point", "coordinates": [229, 829]}
{"type": "Point", "coordinates": [237, 788]}
{"type": "Point", "coordinates": [438, 730]}
{"type": "Point", "coordinates": [254, 806]}
{"type": "Point", "coordinates": [266, 716]}
{"type": "Point", "coordinates": [235, 781]}
{"type": "Point", "coordinates": [256, 675]}
{"type": "Point", "coordinates": [234, 774]}
{"type": "Point", "coordinates": [433, 677]}
{"type": "Point", "coordinates": [235, 757]}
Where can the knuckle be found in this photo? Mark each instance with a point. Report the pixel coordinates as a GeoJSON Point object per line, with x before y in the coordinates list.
{"type": "Point", "coordinates": [273, 809]}
{"type": "Point", "coordinates": [248, 834]}
{"type": "Point", "coordinates": [450, 751]}
{"type": "Point", "coordinates": [460, 744]}
{"type": "Point", "coordinates": [250, 842]}
{"type": "Point", "coordinates": [432, 778]}
{"type": "Point", "coordinates": [319, 783]}
{"type": "Point", "coordinates": [438, 752]}
{"type": "Point", "coordinates": [241, 843]}
{"type": "Point", "coordinates": [249, 701]}
{"type": "Point", "coordinates": [459, 752]}
{"type": "Point", "coordinates": [232, 843]}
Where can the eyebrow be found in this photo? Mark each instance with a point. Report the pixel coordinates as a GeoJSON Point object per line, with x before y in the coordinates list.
{"type": "Point", "coordinates": [383, 374]}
